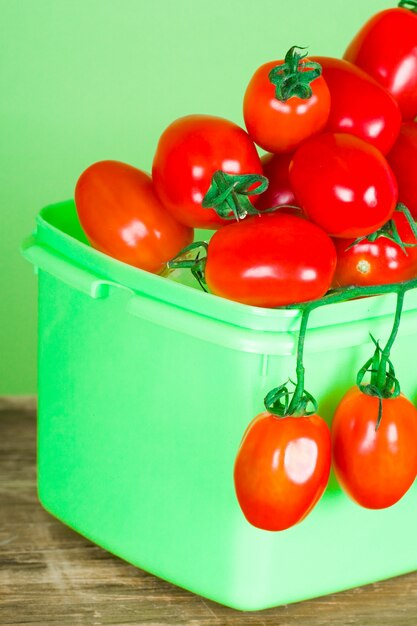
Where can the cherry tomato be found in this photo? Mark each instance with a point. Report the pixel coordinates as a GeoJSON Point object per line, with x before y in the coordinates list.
{"type": "Point", "coordinates": [270, 260]}
{"type": "Point", "coordinates": [403, 160]}
{"type": "Point", "coordinates": [189, 151]}
{"type": "Point", "coordinates": [280, 126]}
{"type": "Point", "coordinates": [343, 184]}
{"type": "Point", "coordinates": [281, 469]}
{"type": "Point", "coordinates": [377, 262]}
{"type": "Point", "coordinates": [123, 217]}
{"type": "Point", "coordinates": [376, 468]}
{"type": "Point", "coordinates": [359, 105]}
{"type": "Point", "coordinates": [386, 48]}
{"type": "Point", "coordinates": [279, 192]}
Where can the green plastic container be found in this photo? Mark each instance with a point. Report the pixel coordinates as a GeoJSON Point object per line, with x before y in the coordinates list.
{"type": "Point", "coordinates": [145, 389]}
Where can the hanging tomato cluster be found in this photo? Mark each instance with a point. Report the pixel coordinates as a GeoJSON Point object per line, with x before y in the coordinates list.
{"type": "Point", "coordinates": [326, 215]}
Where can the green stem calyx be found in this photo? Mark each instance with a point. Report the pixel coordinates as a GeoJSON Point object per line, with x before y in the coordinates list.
{"type": "Point", "coordinates": [228, 194]}
{"type": "Point", "coordinates": [411, 5]}
{"type": "Point", "coordinates": [383, 382]}
{"type": "Point", "coordinates": [294, 76]}
{"type": "Point", "coordinates": [194, 258]}
{"type": "Point", "coordinates": [390, 231]}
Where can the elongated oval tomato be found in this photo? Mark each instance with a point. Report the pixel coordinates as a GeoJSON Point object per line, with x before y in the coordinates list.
{"type": "Point", "coordinates": [189, 151]}
{"type": "Point", "coordinates": [123, 217]}
{"type": "Point", "coordinates": [282, 469]}
{"type": "Point", "coordinates": [403, 160]}
{"type": "Point", "coordinates": [360, 106]}
{"type": "Point", "coordinates": [276, 169]}
{"type": "Point", "coordinates": [270, 260]}
{"type": "Point", "coordinates": [376, 262]}
{"type": "Point", "coordinates": [343, 184]}
{"type": "Point", "coordinates": [280, 126]}
{"type": "Point", "coordinates": [386, 48]}
{"type": "Point", "coordinates": [376, 468]}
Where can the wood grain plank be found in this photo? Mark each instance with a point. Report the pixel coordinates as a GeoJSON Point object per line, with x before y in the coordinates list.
{"type": "Point", "coordinates": [50, 576]}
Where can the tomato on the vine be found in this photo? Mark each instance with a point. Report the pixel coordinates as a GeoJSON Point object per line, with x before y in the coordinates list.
{"type": "Point", "coordinates": [375, 467]}
{"type": "Point", "coordinates": [122, 216]}
{"type": "Point", "coordinates": [279, 192]}
{"type": "Point", "coordinates": [189, 152]}
{"type": "Point", "coordinates": [282, 469]}
{"type": "Point", "coordinates": [286, 102]}
{"type": "Point", "coordinates": [403, 160]}
{"type": "Point", "coordinates": [386, 48]}
{"type": "Point", "coordinates": [359, 105]}
{"type": "Point", "coordinates": [377, 261]}
{"type": "Point", "coordinates": [343, 184]}
{"type": "Point", "coordinates": [270, 260]}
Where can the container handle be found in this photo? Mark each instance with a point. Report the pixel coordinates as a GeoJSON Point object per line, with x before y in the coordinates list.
{"type": "Point", "coordinates": [48, 260]}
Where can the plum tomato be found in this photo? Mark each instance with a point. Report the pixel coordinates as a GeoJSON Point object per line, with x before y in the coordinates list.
{"type": "Point", "coordinates": [270, 260]}
{"type": "Point", "coordinates": [189, 152]}
{"type": "Point", "coordinates": [279, 117]}
{"type": "Point", "coordinates": [386, 49]}
{"type": "Point", "coordinates": [282, 469]}
{"type": "Point", "coordinates": [379, 261]}
{"type": "Point", "coordinates": [359, 105]}
{"type": "Point", "coordinates": [343, 184]}
{"type": "Point", "coordinates": [279, 192]}
{"type": "Point", "coordinates": [375, 467]}
{"type": "Point", "coordinates": [122, 216]}
{"type": "Point", "coordinates": [403, 161]}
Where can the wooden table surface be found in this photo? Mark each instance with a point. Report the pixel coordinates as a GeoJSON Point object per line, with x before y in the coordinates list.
{"type": "Point", "coordinates": [50, 575]}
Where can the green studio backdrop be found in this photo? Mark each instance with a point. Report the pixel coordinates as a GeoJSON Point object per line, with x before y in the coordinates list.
{"type": "Point", "coordinates": [85, 80]}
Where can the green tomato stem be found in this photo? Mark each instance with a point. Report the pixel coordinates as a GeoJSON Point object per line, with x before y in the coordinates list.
{"type": "Point", "coordinates": [300, 369]}
{"type": "Point", "coordinates": [349, 293]}
{"type": "Point", "coordinates": [228, 194]}
{"type": "Point", "coordinates": [294, 76]}
{"type": "Point", "coordinates": [380, 381]}
{"type": "Point", "coordinates": [411, 5]}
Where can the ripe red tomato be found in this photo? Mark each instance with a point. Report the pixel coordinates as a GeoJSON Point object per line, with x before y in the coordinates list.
{"type": "Point", "coordinates": [280, 126]}
{"type": "Point", "coordinates": [403, 160]}
{"type": "Point", "coordinates": [123, 217]}
{"type": "Point", "coordinates": [189, 151]}
{"type": "Point", "coordinates": [270, 260]}
{"type": "Point", "coordinates": [376, 468]}
{"type": "Point", "coordinates": [376, 262]}
{"type": "Point", "coordinates": [359, 105]}
{"type": "Point", "coordinates": [279, 192]}
{"type": "Point", "coordinates": [281, 469]}
{"type": "Point", "coordinates": [386, 48]}
{"type": "Point", "coordinates": [343, 184]}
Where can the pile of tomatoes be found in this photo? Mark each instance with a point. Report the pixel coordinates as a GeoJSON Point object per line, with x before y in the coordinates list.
{"type": "Point", "coordinates": [318, 211]}
{"type": "Point", "coordinates": [342, 151]}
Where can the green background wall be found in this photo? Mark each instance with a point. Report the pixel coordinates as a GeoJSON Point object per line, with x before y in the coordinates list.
{"type": "Point", "coordinates": [84, 80]}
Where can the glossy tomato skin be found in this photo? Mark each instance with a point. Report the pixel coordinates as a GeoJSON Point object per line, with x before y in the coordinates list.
{"type": "Point", "coordinates": [122, 216]}
{"type": "Point", "coordinates": [282, 469]}
{"type": "Point", "coordinates": [343, 184]}
{"type": "Point", "coordinates": [189, 151]}
{"type": "Point", "coordinates": [276, 169]}
{"type": "Point", "coordinates": [360, 106]}
{"type": "Point", "coordinates": [270, 260]}
{"type": "Point", "coordinates": [376, 262]}
{"type": "Point", "coordinates": [281, 126]}
{"type": "Point", "coordinates": [376, 468]}
{"type": "Point", "coordinates": [403, 161]}
{"type": "Point", "coordinates": [386, 48]}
